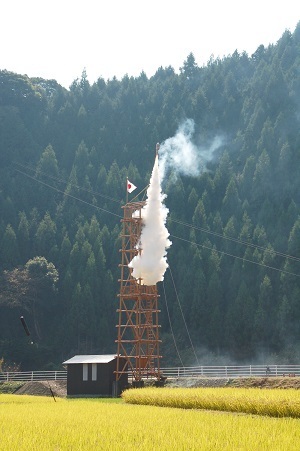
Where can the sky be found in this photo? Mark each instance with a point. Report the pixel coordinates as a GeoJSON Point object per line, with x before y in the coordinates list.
{"type": "Point", "coordinates": [58, 39]}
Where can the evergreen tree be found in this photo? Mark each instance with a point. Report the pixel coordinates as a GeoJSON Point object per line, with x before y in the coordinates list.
{"type": "Point", "coordinates": [23, 237]}
{"type": "Point", "coordinates": [245, 203]}
{"type": "Point", "coordinates": [189, 68]}
{"type": "Point", "coordinates": [47, 172]}
{"type": "Point", "coordinates": [45, 235]}
{"type": "Point", "coordinates": [9, 249]}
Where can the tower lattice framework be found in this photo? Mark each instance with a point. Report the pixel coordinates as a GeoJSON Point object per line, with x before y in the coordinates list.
{"type": "Point", "coordinates": [137, 329]}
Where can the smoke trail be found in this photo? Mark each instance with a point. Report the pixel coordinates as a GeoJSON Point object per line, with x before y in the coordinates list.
{"type": "Point", "coordinates": [182, 156]}
{"type": "Point", "coordinates": [151, 263]}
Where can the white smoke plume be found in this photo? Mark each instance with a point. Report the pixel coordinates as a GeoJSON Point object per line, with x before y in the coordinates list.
{"type": "Point", "coordinates": [151, 263]}
{"type": "Point", "coordinates": [181, 155]}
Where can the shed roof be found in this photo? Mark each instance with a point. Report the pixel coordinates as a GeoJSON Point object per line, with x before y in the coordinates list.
{"type": "Point", "coordinates": [90, 359]}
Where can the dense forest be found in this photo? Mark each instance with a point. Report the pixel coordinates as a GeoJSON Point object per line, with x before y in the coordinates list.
{"type": "Point", "coordinates": [232, 292]}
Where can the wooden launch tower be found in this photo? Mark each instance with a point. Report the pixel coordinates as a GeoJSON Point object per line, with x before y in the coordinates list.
{"type": "Point", "coordinates": [137, 329]}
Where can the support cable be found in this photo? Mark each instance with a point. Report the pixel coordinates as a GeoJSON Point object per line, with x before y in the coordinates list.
{"type": "Point", "coordinates": [183, 317]}
{"type": "Point", "coordinates": [235, 240]}
{"type": "Point", "coordinates": [235, 256]}
{"type": "Point", "coordinates": [66, 182]}
{"type": "Point", "coordinates": [69, 195]}
{"type": "Point", "coordinates": [184, 224]}
{"type": "Point", "coordinates": [171, 328]}
{"type": "Point", "coordinates": [142, 191]}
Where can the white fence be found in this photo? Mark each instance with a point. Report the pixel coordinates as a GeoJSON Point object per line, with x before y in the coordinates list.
{"type": "Point", "coordinates": [233, 371]}
{"type": "Point", "coordinates": [176, 372]}
{"type": "Point", "coordinates": [33, 376]}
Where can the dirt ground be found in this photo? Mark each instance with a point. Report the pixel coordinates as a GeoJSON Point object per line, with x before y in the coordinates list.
{"type": "Point", "coordinates": [246, 382]}
{"type": "Point", "coordinates": [59, 388]}
{"type": "Point", "coordinates": [42, 388]}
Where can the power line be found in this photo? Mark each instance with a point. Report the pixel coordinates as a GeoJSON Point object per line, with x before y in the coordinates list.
{"type": "Point", "coordinates": [95, 193]}
{"type": "Point", "coordinates": [186, 225]}
{"type": "Point", "coordinates": [171, 328]}
{"type": "Point", "coordinates": [187, 330]}
{"type": "Point", "coordinates": [69, 195]}
{"type": "Point", "coordinates": [235, 256]}
{"type": "Point", "coordinates": [236, 240]}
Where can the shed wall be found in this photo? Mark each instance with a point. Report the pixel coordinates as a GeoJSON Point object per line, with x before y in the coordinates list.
{"type": "Point", "coordinates": [102, 386]}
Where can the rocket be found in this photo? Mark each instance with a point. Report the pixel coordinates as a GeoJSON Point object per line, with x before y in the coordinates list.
{"type": "Point", "coordinates": [24, 325]}
{"type": "Point", "coordinates": [157, 148]}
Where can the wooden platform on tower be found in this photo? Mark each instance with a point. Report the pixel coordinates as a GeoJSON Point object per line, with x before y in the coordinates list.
{"type": "Point", "coordinates": [137, 329]}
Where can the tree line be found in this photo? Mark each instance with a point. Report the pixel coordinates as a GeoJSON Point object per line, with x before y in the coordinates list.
{"type": "Point", "coordinates": [64, 159]}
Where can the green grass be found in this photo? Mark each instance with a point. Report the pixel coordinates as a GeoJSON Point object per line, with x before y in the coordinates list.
{"type": "Point", "coordinates": [38, 423]}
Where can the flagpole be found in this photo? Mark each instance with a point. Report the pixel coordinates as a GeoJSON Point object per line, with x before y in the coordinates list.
{"type": "Point", "coordinates": [126, 191]}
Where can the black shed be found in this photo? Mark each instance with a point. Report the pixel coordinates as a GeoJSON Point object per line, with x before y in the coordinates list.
{"type": "Point", "coordinates": [93, 375]}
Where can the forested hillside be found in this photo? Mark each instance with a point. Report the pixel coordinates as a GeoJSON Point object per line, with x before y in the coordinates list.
{"type": "Point", "coordinates": [235, 226]}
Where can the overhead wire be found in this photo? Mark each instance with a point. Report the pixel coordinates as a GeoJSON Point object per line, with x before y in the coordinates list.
{"type": "Point", "coordinates": [235, 256]}
{"type": "Point", "coordinates": [142, 191]}
{"type": "Point", "coordinates": [69, 195]}
{"type": "Point", "coordinates": [171, 327]}
{"type": "Point", "coordinates": [182, 314]}
{"type": "Point", "coordinates": [245, 243]}
{"type": "Point", "coordinates": [236, 240]}
{"type": "Point", "coordinates": [176, 221]}
{"type": "Point", "coordinates": [67, 182]}
{"type": "Point", "coordinates": [182, 239]}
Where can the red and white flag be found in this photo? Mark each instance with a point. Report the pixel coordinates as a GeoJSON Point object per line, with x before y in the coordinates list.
{"type": "Point", "coordinates": [130, 186]}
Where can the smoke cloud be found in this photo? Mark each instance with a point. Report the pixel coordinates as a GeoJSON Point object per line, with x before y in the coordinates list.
{"type": "Point", "coordinates": [151, 263]}
{"type": "Point", "coordinates": [181, 155]}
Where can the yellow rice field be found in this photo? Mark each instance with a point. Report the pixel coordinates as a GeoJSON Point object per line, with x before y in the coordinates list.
{"type": "Point", "coordinates": [275, 402]}
{"type": "Point", "coordinates": [38, 423]}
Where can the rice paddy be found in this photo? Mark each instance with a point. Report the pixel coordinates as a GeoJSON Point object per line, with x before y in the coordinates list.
{"type": "Point", "coordinates": [275, 402]}
{"type": "Point", "coordinates": [39, 423]}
